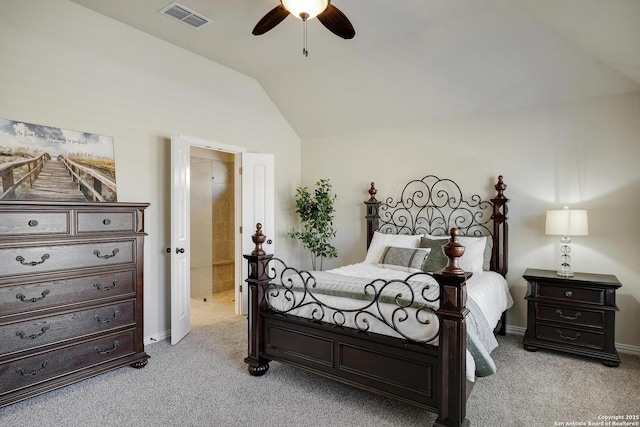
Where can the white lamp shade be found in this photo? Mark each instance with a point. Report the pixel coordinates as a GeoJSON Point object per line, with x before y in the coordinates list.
{"type": "Point", "coordinates": [567, 222]}
{"type": "Point", "coordinates": [310, 7]}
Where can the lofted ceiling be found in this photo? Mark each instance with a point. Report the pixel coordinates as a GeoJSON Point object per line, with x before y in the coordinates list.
{"type": "Point", "coordinates": [411, 61]}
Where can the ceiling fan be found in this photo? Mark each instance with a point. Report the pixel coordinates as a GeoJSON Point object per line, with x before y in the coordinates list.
{"type": "Point", "coordinates": [329, 15]}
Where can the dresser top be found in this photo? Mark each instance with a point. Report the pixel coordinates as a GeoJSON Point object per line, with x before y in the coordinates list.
{"type": "Point", "coordinates": [551, 276]}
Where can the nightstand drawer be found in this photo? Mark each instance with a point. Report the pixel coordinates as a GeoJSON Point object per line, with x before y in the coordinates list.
{"type": "Point", "coordinates": [573, 337]}
{"type": "Point", "coordinates": [572, 316]}
{"type": "Point", "coordinates": [571, 294]}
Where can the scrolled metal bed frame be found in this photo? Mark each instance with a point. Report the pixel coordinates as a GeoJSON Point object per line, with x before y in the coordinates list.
{"type": "Point", "coordinates": [417, 372]}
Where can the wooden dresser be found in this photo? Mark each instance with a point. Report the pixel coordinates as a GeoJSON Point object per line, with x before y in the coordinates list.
{"type": "Point", "coordinates": [70, 293]}
{"type": "Point", "coordinates": [572, 314]}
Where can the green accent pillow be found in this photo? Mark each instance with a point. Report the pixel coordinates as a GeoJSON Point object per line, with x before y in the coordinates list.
{"type": "Point", "coordinates": [404, 259]}
{"type": "Point", "coordinates": [436, 259]}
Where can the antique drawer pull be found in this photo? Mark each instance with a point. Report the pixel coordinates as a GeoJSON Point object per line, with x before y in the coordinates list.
{"type": "Point", "coordinates": [35, 371]}
{"type": "Point", "coordinates": [113, 253]}
{"type": "Point", "coordinates": [99, 286]}
{"type": "Point", "coordinates": [22, 298]}
{"type": "Point", "coordinates": [568, 294]}
{"type": "Point", "coordinates": [109, 350]}
{"type": "Point", "coordinates": [33, 223]}
{"type": "Point", "coordinates": [106, 221]}
{"type": "Point", "coordinates": [116, 313]}
{"type": "Point", "coordinates": [24, 336]}
{"type": "Point", "coordinates": [564, 337]}
{"type": "Point", "coordinates": [568, 317]}
{"type": "Point", "coordinates": [21, 260]}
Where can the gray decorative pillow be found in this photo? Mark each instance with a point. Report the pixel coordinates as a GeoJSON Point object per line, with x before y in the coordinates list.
{"type": "Point", "coordinates": [405, 259]}
{"type": "Point", "coordinates": [436, 259]}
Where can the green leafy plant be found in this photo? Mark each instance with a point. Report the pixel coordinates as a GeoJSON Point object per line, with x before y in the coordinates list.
{"type": "Point", "coordinates": [316, 217]}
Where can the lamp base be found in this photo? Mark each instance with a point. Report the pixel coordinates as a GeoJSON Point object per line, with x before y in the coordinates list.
{"type": "Point", "coordinates": [565, 273]}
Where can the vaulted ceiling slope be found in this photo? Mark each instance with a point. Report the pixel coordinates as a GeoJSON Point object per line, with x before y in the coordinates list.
{"type": "Point", "coordinates": [412, 61]}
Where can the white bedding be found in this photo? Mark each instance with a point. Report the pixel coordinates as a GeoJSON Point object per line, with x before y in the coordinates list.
{"type": "Point", "coordinates": [487, 290]}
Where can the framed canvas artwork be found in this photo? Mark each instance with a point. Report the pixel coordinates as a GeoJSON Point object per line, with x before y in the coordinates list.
{"type": "Point", "coordinates": [40, 162]}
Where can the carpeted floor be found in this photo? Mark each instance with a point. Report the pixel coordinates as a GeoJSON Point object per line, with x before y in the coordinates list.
{"type": "Point", "coordinates": [203, 381]}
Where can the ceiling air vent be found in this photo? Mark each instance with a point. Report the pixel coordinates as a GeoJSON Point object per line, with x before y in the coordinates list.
{"type": "Point", "coordinates": [184, 15]}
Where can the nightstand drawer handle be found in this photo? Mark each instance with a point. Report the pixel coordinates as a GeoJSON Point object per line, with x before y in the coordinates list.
{"type": "Point", "coordinates": [568, 293]}
{"type": "Point", "coordinates": [564, 337]}
{"type": "Point", "coordinates": [568, 317]}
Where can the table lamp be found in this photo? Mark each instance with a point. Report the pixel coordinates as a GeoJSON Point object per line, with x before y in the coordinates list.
{"type": "Point", "coordinates": [566, 223]}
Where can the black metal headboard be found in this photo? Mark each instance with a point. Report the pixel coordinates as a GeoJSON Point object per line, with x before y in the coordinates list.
{"type": "Point", "coordinates": [432, 205]}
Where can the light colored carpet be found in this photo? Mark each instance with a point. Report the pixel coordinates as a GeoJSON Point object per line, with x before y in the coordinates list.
{"type": "Point", "coordinates": [203, 381]}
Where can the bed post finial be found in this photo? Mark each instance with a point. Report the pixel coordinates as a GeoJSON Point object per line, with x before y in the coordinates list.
{"type": "Point", "coordinates": [500, 187]}
{"type": "Point", "coordinates": [453, 250]}
{"type": "Point", "coordinates": [372, 213]}
{"type": "Point", "coordinates": [258, 238]}
{"type": "Point", "coordinates": [373, 192]}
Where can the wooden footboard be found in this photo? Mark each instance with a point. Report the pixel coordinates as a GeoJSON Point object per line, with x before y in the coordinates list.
{"type": "Point", "coordinates": [431, 377]}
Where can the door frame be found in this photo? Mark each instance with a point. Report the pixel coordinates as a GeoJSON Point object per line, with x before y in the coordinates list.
{"type": "Point", "coordinates": [237, 151]}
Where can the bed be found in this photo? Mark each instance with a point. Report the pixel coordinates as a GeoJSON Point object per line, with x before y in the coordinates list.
{"type": "Point", "coordinates": [414, 321]}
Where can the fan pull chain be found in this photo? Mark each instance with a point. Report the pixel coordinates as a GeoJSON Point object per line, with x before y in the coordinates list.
{"type": "Point", "coordinates": [305, 52]}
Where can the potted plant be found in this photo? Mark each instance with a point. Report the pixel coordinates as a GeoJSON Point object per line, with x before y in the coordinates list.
{"type": "Point", "coordinates": [316, 217]}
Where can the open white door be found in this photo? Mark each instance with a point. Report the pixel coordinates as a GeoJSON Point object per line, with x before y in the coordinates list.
{"type": "Point", "coordinates": [180, 242]}
{"type": "Point", "coordinates": [258, 206]}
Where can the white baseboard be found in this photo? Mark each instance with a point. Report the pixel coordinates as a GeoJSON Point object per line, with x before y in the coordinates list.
{"type": "Point", "coordinates": [628, 349]}
{"type": "Point", "coordinates": [157, 337]}
{"type": "Point", "coordinates": [622, 348]}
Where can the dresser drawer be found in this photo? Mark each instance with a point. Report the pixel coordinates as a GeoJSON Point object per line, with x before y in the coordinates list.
{"type": "Point", "coordinates": [25, 372]}
{"type": "Point", "coordinates": [28, 297]}
{"type": "Point", "coordinates": [571, 293]}
{"type": "Point", "coordinates": [34, 333]}
{"type": "Point", "coordinates": [41, 222]}
{"type": "Point", "coordinates": [91, 222]}
{"type": "Point", "coordinates": [570, 316]}
{"type": "Point", "coordinates": [39, 259]}
{"type": "Point", "coordinates": [573, 337]}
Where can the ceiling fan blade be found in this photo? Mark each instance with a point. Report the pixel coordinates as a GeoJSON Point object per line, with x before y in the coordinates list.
{"type": "Point", "coordinates": [337, 22]}
{"type": "Point", "coordinates": [270, 20]}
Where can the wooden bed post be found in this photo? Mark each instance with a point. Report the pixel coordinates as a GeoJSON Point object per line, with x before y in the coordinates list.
{"type": "Point", "coordinates": [500, 256]}
{"type": "Point", "coordinates": [452, 348]}
{"type": "Point", "coordinates": [372, 213]}
{"type": "Point", "coordinates": [258, 281]}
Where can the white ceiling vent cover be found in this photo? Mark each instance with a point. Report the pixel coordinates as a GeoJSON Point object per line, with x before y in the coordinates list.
{"type": "Point", "coordinates": [185, 15]}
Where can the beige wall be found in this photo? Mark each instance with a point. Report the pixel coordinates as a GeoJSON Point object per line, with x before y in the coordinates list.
{"type": "Point", "coordinates": [66, 66]}
{"type": "Point", "coordinates": [584, 154]}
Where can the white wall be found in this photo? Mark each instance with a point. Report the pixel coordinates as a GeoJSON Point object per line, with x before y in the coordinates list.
{"type": "Point", "coordinates": [66, 66]}
{"type": "Point", "coordinates": [584, 154]}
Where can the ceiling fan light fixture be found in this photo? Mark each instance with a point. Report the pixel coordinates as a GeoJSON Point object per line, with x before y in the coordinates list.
{"type": "Point", "coordinates": [305, 9]}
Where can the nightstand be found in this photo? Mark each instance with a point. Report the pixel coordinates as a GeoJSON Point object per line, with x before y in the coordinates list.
{"type": "Point", "coordinates": [572, 314]}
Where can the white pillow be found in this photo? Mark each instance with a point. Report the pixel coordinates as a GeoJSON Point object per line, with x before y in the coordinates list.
{"type": "Point", "coordinates": [473, 258]}
{"type": "Point", "coordinates": [381, 240]}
